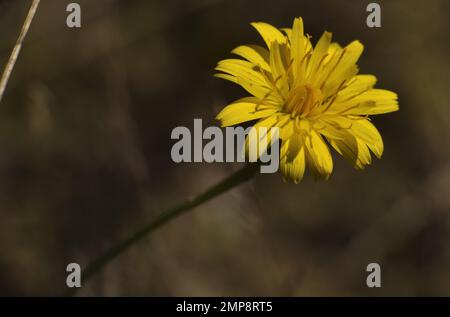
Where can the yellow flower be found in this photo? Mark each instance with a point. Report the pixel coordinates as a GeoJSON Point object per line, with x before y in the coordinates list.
{"type": "Point", "coordinates": [311, 95]}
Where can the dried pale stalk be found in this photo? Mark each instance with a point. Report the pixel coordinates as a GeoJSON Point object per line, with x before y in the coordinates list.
{"type": "Point", "coordinates": [15, 53]}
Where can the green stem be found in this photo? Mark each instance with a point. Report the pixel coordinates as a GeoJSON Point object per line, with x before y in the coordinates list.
{"type": "Point", "coordinates": [232, 181]}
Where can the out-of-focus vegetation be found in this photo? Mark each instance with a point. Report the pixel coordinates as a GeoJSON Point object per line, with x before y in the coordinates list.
{"type": "Point", "coordinates": [85, 155]}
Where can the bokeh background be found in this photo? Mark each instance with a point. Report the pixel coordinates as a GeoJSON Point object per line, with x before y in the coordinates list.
{"type": "Point", "coordinates": [85, 155]}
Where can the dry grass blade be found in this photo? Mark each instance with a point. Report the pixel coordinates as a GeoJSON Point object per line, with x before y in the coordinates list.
{"type": "Point", "coordinates": [15, 53]}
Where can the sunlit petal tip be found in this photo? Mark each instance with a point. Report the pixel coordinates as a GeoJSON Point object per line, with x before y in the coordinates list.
{"type": "Point", "coordinates": [269, 33]}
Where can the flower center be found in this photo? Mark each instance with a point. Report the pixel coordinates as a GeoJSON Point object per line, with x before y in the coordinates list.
{"type": "Point", "coordinates": [302, 99]}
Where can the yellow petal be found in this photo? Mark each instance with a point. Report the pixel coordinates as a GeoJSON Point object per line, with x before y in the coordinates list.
{"type": "Point", "coordinates": [385, 101]}
{"type": "Point", "coordinates": [319, 53]}
{"type": "Point", "coordinates": [343, 67]}
{"type": "Point", "coordinates": [226, 77]}
{"type": "Point", "coordinates": [295, 145]}
{"type": "Point", "coordinates": [353, 149]}
{"type": "Point", "coordinates": [366, 132]}
{"type": "Point", "coordinates": [269, 33]}
{"type": "Point", "coordinates": [286, 126]}
{"type": "Point", "coordinates": [261, 92]}
{"type": "Point", "coordinates": [318, 156]}
{"type": "Point", "coordinates": [241, 73]}
{"type": "Point", "coordinates": [330, 129]}
{"type": "Point", "coordinates": [356, 86]}
{"type": "Point", "coordinates": [370, 102]}
{"type": "Point", "coordinates": [327, 65]}
{"type": "Point", "coordinates": [297, 45]}
{"type": "Point", "coordinates": [262, 137]}
{"type": "Point", "coordinates": [255, 54]}
{"type": "Point", "coordinates": [333, 49]}
{"type": "Point", "coordinates": [288, 33]}
{"type": "Point", "coordinates": [278, 70]}
{"type": "Point", "coordinates": [241, 69]}
{"type": "Point", "coordinates": [292, 169]}
{"type": "Point", "coordinates": [244, 110]}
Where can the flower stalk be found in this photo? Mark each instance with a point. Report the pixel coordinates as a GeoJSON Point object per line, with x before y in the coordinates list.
{"type": "Point", "coordinates": [165, 217]}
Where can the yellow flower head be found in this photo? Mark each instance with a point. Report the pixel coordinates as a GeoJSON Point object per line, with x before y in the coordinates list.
{"type": "Point", "coordinates": [311, 95]}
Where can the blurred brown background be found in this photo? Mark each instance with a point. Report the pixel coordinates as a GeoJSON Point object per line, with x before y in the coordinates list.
{"type": "Point", "coordinates": [85, 155]}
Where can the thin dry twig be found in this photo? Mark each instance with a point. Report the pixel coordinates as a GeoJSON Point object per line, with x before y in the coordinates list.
{"type": "Point", "coordinates": [15, 53]}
